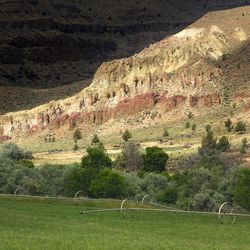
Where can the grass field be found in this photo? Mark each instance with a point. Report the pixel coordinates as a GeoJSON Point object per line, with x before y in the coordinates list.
{"type": "Point", "coordinates": [30, 223]}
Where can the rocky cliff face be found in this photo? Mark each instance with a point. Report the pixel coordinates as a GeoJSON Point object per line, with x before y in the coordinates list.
{"type": "Point", "coordinates": [186, 71]}
{"type": "Point", "coordinates": [52, 42]}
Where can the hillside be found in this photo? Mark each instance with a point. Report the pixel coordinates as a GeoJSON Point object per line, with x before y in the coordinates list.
{"type": "Point", "coordinates": [202, 69]}
{"type": "Point", "coordinates": [46, 44]}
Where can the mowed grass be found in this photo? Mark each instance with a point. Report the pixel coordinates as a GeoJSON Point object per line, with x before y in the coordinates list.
{"type": "Point", "coordinates": [27, 223]}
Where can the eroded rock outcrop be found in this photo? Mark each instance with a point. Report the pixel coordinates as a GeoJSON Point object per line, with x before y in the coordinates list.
{"type": "Point", "coordinates": [180, 72]}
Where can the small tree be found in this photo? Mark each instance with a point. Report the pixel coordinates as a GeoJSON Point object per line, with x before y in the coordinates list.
{"type": "Point", "coordinates": [240, 127]}
{"type": "Point", "coordinates": [95, 139]}
{"type": "Point", "coordinates": [223, 144]}
{"type": "Point", "coordinates": [187, 125]}
{"type": "Point", "coordinates": [78, 178]}
{"type": "Point", "coordinates": [77, 135]}
{"type": "Point", "coordinates": [244, 146]}
{"type": "Point", "coordinates": [126, 135]}
{"type": "Point", "coordinates": [168, 196]}
{"type": "Point", "coordinates": [76, 147]}
{"type": "Point", "coordinates": [97, 159]}
{"type": "Point", "coordinates": [242, 192]}
{"type": "Point", "coordinates": [165, 133]}
{"type": "Point", "coordinates": [155, 159]}
{"type": "Point", "coordinates": [190, 115]}
{"type": "Point", "coordinates": [229, 125]}
{"type": "Point", "coordinates": [12, 151]}
{"type": "Point", "coordinates": [108, 184]}
{"type": "Point", "coordinates": [208, 143]}
{"type": "Point", "coordinates": [131, 157]}
{"type": "Point", "coordinates": [194, 127]}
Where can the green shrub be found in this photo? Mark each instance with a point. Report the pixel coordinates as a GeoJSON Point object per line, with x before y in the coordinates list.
{"type": "Point", "coordinates": [77, 135]}
{"type": "Point", "coordinates": [155, 159]}
{"type": "Point", "coordinates": [130, 158]}
{"type": "Point", "coordinates": [194, 127]}
{"type": "Point", "coordinates": [126, 135]}
{"type": "Point", "coordinates": [229, 125]}
{"type": "Point", "coordinates": [187, 125]}
{"type": "Point", "coordinates": [223, 144]}
{"type": "Point", "coordinates": [203, 201]}
{"type": "Point", "coordinates": [27, 163]}
{"type": "Point", "coordinates": [153, 183]}
{"type": "Point", "coordinates": [240, 127]}
{"type": "Point", "coordinates": [78, 178]}
{"type": "Point", "coordinates": [168, 195]}
{"type": "Point", "coordinates": [13, 152]}
{"type": "Point", "coordinates": [95, 139]}
{"type": "Point", "coordinates": [190, 115]}
{"type": "Point", "coordinates": [165, 133]}
{"type": "Point", "coordinates": [97, 158]}
{"type": "Point", "coordinates": [108, 184]}
{"type": "Point", "coordinates": [243, 148]}
{"type": "Point", "coordinates": [133, 185]}
{"type": "Point", "coordinates": [242, 192]}
{"type": "Point", "coordinates": [208, 143]}
{"type": "Point", "coordinates": [76, 147]}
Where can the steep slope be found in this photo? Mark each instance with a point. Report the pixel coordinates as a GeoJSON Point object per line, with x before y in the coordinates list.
{"type": "Point", "coordinates": [49, 43]}
{"type": "Point", "coordinates": [52, 42]}
{"type": "Point", "coordinates": [203, 67]}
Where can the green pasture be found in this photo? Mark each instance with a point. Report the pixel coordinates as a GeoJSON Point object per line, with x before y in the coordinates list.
{"type": "Point", "coordinates": [36, 223]}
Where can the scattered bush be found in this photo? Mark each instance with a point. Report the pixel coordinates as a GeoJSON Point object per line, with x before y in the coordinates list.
{"type": "Point", "coordinates": [204, 185]}
{"type": "Point", "coordinates": [187, 125]}
{"type": "Point", "coordinates": [77, 135]}
{"type": "Point", "coordinates": [208, 143]}
{"type": "Point", "coordinates": [244, 146]}
{"type": "Point", "coordinates": [131, 157]}
{"type": "Point", "coordinates": [223, 144]}
{"type": "Point", "coordinates": [97, 158]}
{"type": "Point", "coordinates": [108, 184]}
{"type": "Point", "coordinates": [95, 139]}
{"type": "Point", "coordinates": [126, 135]}
{"type": "Point", "coordinates": [13, 152]}
{"type": "Point", "coordinates": [242, 192]}
{"type": "Point", "coordinates": [78, 178]}
{"type": "Point", "coordinates": [240, 127]}
{"type": "Point", "coordinates": [229, 125]}
{"type": "Point", "coordinates": [155, 160]}
{"type": "Point", "coordinates": [202, 201]}
{"type": "Point", "coordinates": [76, 147]}
{"type": "Point", "coordinates": [194, 127]}
{"type": "Point", "coordinates": [165, 133]}
{"type": "Point", "coordinates": [168, 195]}
{"type": "Point", "coordinates": [190, 115]}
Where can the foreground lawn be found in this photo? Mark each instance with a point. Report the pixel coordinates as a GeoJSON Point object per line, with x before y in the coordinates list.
{"type": "Point", "coordinates": [27, 223]}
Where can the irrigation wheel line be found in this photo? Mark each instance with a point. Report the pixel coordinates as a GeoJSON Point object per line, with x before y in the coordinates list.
{"type": "Point", "coordinates": [144, 197]}
{"type": "Point", "coordinates": [18, 189]}
{"type": "Point", "coordinates": [157, 210]}
{"type": "Point", "coordinates": [77, 194]}
{"type": "Point", "coordinates": [227, 216]}
{"type": "Point", "coordinates": [127, 209]}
